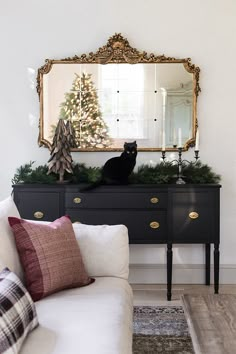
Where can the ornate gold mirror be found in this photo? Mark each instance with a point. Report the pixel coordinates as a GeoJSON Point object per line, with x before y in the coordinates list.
{"type": "Point", "coordinates": [120, 94]}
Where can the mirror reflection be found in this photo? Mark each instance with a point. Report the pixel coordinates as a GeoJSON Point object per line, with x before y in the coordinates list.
{"type": "Point", "coordinates": [111, 103]}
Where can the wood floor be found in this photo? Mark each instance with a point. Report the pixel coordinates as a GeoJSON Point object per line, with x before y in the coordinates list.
{"type": "Point", "coordinates": [155, 294]}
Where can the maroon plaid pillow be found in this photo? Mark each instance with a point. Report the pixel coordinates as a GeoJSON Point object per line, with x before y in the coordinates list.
{"type": "Point", "coordinates": [50, 256]}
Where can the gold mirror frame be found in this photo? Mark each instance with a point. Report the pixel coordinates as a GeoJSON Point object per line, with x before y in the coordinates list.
{"type": "Point", "coordinates": [118, 50]}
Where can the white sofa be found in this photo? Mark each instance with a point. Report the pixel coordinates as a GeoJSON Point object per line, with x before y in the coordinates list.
{"type": "Point", "coordinates": [95, 319]}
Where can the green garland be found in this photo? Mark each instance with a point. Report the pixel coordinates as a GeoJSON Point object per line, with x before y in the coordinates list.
{"type": "Point", "coordinates": [160, 173]}
{"type": "Point", "coordinates": [195, 173]}
{"type": "Point", "coordinates": [200, 173]}
{"type": "Point", "coordinates": [28, 174]}
{"type": "Point", "coordinates": [84, 174]}
{"type": "Point", "coordinates": [81, 174]}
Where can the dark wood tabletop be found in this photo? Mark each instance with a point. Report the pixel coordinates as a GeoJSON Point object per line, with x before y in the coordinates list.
{"type": "Point", "coordinates": [212, 322]}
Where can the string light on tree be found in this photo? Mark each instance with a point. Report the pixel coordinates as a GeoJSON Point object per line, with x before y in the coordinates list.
{"type": "Point", "coordinates": [81, 107]}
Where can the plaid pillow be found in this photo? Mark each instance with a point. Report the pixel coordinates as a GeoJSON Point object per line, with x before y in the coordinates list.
{"type": "Point", "coordinates": [50, 256]}
{"type": "Point", "coordinates": [17, 313]}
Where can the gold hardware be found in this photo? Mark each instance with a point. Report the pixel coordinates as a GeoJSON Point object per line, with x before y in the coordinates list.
{"type": "Point", "coordinates": [193, 215]}
{"type": "Point", "coordinates": [154, 200]}
{"type": "Point", "coordinates": [77, 200]}
{"type": "Point", "coordinates": [154, 224]}
{"type": "Point", "coordinates": [38, 215]}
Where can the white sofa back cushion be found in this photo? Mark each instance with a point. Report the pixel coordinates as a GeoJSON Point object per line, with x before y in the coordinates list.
{"type": "Point", "coordinates": [8, 252]}
{"type": "Point", "coordinates": [104, 249]}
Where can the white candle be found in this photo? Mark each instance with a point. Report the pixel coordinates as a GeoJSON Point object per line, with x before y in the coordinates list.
{"type": "Point", "coordinates": [163, 141]}
{"type": "Point", "coordinates": [179, 137]}
{"type": "Point", "coordinates": [197, 141]}
{"type": "Point", "coordinates": [174, 137]}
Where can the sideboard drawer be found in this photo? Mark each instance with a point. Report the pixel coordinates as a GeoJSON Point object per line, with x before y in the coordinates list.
{"type": "Point", "coordinates": [156, 200]}
{"type": "Point", "coordinates": [39, 205]}
{"type": "Point", "coordinates": [143, 226]}
{"type": "Point", "coordinates": [193, 217]}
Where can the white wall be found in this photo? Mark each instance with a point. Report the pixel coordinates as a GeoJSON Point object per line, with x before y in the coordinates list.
{"type": "Point", "coordinates": [204, 30]}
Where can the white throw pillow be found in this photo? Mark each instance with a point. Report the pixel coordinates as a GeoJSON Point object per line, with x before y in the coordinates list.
{"type": "Point", "coordinates": [8, 252]}
{"type": "Point", "coordinates": [104, 249]}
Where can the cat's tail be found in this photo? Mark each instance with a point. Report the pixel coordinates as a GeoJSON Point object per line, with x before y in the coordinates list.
{"type": "Point", "coordinates": [92, 186]}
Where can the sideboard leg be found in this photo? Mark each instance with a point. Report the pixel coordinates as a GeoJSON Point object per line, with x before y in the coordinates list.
{"type": "Point", "coordinates": [216, 267]}
{"type": "Point", "coordinates": [169, 270]}
{"type": "Point", "coordinates": [207, 263]}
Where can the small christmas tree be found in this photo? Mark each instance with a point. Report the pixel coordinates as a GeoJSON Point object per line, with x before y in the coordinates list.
{"type": "Point", "coordinates": [82, 109]}
{"type": "Point", "coordinates": [61, 160]}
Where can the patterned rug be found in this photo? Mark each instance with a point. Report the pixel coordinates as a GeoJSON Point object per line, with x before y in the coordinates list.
{"type": "Point", "coordinates": [159, 329]}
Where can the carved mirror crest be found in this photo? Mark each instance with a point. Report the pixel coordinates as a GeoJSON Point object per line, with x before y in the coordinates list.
{"type": "Point", "coordinates": [120, 94]}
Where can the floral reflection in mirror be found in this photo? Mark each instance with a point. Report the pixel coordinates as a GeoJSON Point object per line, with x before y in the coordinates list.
{"type": "Point", "coordinates": [119, 94]}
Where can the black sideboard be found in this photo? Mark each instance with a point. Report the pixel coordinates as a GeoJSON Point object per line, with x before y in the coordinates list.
{"type": "Point", "coordinates": [154, 214]}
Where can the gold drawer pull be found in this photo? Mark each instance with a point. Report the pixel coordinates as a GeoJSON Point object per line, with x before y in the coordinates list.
{"type": "Point", "coordinates": [77, 200]}
{"type": "Point", "coordinates": [38, 215]}
{"type": "Point", "coordinates": [154, 200]}
{"type": "Point", "coordinates": [154, 224]}
{"type": "Point", "coordinates": [193, 215]}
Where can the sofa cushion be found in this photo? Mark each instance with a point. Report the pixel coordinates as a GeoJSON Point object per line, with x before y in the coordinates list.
{"type": "Point", "coordinates": [8, 253]}
{"type": "Point", "coordinates": [17, 313]}
{"type": "Point", "coordinates": [50, 256]}
{"type": "Point", "coordinates": [105, 249]}
{"type": "Point", "coordinates": [96, 319]}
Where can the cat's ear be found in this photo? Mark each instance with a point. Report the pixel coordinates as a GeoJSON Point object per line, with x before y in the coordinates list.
{"type": "Point", "coordinates": [125, 144]}
{"type": "Point", "coordinates": [135, 142]}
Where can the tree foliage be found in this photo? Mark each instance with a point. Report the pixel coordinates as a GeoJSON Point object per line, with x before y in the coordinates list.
{"type": "Point", "coordinates": [81, 108]}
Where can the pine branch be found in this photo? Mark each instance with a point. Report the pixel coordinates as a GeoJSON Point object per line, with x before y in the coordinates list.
{"type": "Point", "coordinates": [26, 174]}
{"type": "Point", "coordinates": [160, 173]}
{"type": "Point", "coordinates": [200, 173]}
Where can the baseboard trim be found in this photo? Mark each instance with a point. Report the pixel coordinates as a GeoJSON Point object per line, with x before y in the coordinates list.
{"type": "Point", "coordinates": [181, 274]}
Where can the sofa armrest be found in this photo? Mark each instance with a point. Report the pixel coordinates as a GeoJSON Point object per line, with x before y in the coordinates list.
{"type": "Point", "coordinates": [8, 252]}
{"type": "Point", "coordinates": [104, 249]}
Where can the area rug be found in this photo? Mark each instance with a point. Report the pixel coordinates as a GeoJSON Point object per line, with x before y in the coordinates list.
{"type": "Point", "coordinates": [159, 329]}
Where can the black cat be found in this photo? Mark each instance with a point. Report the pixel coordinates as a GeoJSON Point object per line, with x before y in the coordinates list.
{"type": "Point", "coordinates": [117, 169]}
